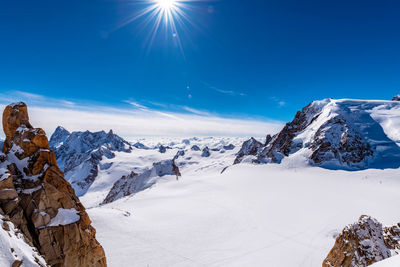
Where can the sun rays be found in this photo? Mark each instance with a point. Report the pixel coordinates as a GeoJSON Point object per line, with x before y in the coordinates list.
{"type": "Point", "coordinates": [169, 17]}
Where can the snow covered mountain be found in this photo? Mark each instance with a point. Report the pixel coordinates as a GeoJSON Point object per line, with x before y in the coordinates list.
{"type": "Point", "coordinates": [134, 182]}
{"type": "Point", "coordinates": [79, 154]}
{"type": "Point", "coordinates": [335, 134]}
{"type": "Point", "coordinates": [103, 167]}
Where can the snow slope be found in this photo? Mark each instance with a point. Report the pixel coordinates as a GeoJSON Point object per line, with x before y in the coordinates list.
{"type": "Point", "coordinates": [390, 262]}
{"type": "Point", "coordinates": [13, 247]}
{"type": "Point", "coordinates": [251, 215]}
{"type": "Point", "coordinates": [142, 160]}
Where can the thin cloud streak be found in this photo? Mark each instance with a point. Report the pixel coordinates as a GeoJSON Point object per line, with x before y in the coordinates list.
{"type": "Point", "coordinates": [278, 101]}
{"type": "Point", "coordinates": [225, 92]}
{"type": "Point", "coordinates": [136, 105]}
{"type": "Point", "coordinates": [196, 111]}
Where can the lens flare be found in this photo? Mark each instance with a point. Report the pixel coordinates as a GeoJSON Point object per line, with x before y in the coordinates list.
{"type": "Point", "coordinates": [166, 4]}
{"type": "Point", "coordinates": [163, 15]}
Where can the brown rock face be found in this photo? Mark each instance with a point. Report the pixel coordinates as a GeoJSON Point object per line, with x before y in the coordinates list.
{"type": "Point", "coordinates": [363, 243]}
{"type": "Point", "coordinates": [39, 201]}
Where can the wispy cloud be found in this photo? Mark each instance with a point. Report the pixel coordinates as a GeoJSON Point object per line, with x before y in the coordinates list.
{"type": "Point", "coordinates": [278, 101]}
{"type": "Point", "coordinates": [30, 95]}
{"type": "Point", "coordinates": [34, 99]}
{"type": "Point", "coordinates": [136, 105]}
{"type": "Point", "coordinates": [139, 121]}
{"type": "Point", "coordinates": [196, 111]}
{"type": "Point", "coordinates": [223, 91]}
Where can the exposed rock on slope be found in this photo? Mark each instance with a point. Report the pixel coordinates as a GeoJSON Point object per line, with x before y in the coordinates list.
{"type": "Point", "coordinates": [396, 98]}
{"type": "Point", "coordinates": [249, 148]}
{"type": "Point", "coordinates": [133, 183]}
{"type": "Point", "coordinates": [15, 249]}
{"type": "Point", "coordinates": [58, 138]}
{"type": "Point", "coordinates": [37, 198]}
{"type": "Point", "coordinates": [79, 154]}
{"type": "Point", "coordinates": [345, 134]}
{"type": "Point", "coordinates": [363, 243]}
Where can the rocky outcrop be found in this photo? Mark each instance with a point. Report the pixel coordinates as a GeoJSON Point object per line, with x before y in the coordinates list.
{"type": "Point", "coordinates": [79, 154]}
{"type": "Point", "coordinates": [229, 147]}
{"type": "Point", "coordinates": [195, 148]}
{"type": "Point", "coordinates": [139, 145]}
{"type": "Point", "coordinates": [162, 149]}
{"type": "Point", "coordinates": [180, 153]}
{"type": "Point", "coordinates": [396, 98]}
{"type": "Point", "coordinates": [37, 198]}
{"type": "Point", "coordinates": [363, 243]}
{"type": "Point", "coordinates": [336, 139]}
{"type": "Point", "coordinates": [205, 153]}
{"type": "Point", "coordinates": [134, 182]}
{"type": "Point", "coordinates": [282, 144]}
{"type": "Point", "coordinates": [249, 148]}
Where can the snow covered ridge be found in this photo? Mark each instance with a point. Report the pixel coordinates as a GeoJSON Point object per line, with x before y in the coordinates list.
{"type": "Point", "coordinates": [79, 154]}
{"type": "Point", "coordinates": [335, 134]}
{"type": "Point", "coordinates": [364, 243]}
{"type": "Point", "coordinates": [134, 183]}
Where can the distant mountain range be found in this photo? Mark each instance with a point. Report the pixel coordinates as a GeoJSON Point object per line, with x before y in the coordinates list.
{"type": "Point", "coordinates": [79, 154]}
{"type": "Point", "coordinates": [334, 134]}
{"type": "Point", "coordinates": [112, 167]}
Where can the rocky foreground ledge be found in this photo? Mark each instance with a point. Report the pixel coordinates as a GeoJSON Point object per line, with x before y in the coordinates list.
{"type": "Point", "coordinates": [364, 243]}
{"type": "Point", "coordinates": [38, 200]}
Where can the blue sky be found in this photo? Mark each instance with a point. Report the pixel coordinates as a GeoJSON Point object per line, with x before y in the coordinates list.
{"type": "Point", "coordinates": [262, 60]}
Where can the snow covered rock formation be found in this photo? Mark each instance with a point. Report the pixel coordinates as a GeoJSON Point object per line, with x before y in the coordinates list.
{"type": "Point", "coordinates": [34, 195]}
{"type": "Point", "coordinates": [396, 98]}
{"type": "Point", "coordinates": [133, 183]}
{"type": "Point", "coordinates": [79, 154]}
{"type": "Point", "coordinates": [337, 134]}
{"type": "Point", "coordinates": [249, 148]}
{"type": "Point", "coordinates": [364, 243]}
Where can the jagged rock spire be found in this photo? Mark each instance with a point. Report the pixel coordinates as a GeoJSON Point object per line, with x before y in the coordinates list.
{"type": "Point", "coordinates": [39, 201]}
{"type": "Point", "coordinates": [14, 116]}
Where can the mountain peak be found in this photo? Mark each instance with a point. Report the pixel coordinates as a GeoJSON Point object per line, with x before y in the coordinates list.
{"type": "Point", "coordinates": [14, 116]}
{"type": "Point", "coordinates": [337, 134]}
{"type": "Point", "coordinates": [58, 137]}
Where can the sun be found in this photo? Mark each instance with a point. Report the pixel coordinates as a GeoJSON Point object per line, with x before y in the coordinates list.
{"type": "Point", "coordinates": [166, 4]}
{"type": "Point", "coordinates": [170, 16]}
